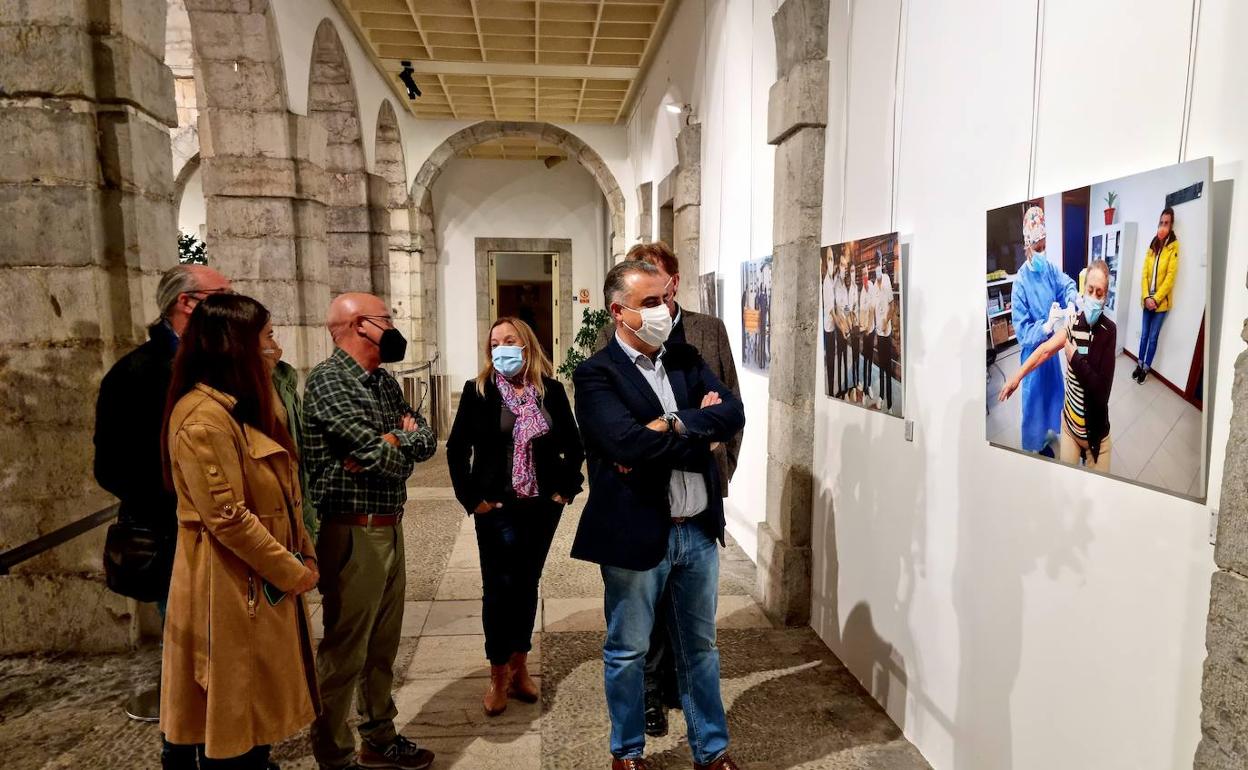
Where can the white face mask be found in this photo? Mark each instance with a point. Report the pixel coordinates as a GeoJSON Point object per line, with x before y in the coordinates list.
{"type": "Point", "coordinates": [656, 324]}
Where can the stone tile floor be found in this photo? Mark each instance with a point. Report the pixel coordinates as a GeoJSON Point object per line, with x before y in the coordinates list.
{"type": "Point", "coordinates": [791, 704]}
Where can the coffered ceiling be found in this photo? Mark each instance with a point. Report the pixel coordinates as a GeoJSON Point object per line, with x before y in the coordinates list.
{"type": "Point", "coordinates": [563, 61]}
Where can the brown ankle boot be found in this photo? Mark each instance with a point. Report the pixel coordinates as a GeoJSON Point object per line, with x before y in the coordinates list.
{"type": "Point", "coordinates": [495, 700]}
{"type": "Point", "coordinates": [523, 688]}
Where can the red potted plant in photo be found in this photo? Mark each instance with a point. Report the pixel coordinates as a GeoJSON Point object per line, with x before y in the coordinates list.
{"type": "Point", "coordinates": [1109, 212]}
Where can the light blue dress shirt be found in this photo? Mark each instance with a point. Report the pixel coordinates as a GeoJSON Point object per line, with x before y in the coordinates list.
{"type": "Point", "coordinates": [686, 492]}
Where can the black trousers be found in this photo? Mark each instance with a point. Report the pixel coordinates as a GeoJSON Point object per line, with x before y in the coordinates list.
{"type": "Point", "coordinates": [855, 348]}
{"type": "Point", "coordinates": [513, 542]}
{"type": "Point", "coordinates": [181, 757]}
{"type": "Point", "coordinates": [660, 662]}
{"type": "Point", "coordinates": [829, 363]}
{"type": "Point", "coordinates": [884, 360]}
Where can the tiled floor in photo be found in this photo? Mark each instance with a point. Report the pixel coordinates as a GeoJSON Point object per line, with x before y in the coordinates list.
{"type": "Point", "coordinates": [1156, 435]}
{"type": "Point", "coordinates": [791, 704]}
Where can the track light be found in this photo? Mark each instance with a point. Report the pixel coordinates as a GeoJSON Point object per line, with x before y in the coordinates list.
{"type": "Point", "coordinates": [675, 109]}
{"type": "Point", "coordinates": [413, 90]}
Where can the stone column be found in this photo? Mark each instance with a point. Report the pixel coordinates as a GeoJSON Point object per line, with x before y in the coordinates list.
{"type": "Point", "coordinates": [797, 117]}
{"type": "Point", "coordinates": [1224, 717]}
{"type": "Point", "coordinates": [379, 236]}
{"type": "Point", "coordinates": [687, 213]}
{"type": "Point", "coordinates": [86, 188]}
{"type": "Point", "coordinates": [264, 181]}
{"type": "Point", "coordinates": [424, 277]}
{"type": "Point", "coordinates": [645, 212]}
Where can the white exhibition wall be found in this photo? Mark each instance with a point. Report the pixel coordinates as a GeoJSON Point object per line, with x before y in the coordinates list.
{"type": "Point", "coordinates": [508, 199]}
{"type": "Point", "coordinates": [703, 62]}
{"type": "Point", "coordinates": [1009, 613]}
{"type": "Point", "coordinates": [192, 211]}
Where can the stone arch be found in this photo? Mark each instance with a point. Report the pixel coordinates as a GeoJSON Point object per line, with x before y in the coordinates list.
{"type": "Point", "coordinates": [424, 238]}
{"type": "Point", "coordinates": [262, 169]}
{"type": "Point", "coordinates": [391, 166]}
{"type": "Point", "coordinates": [354, 231]}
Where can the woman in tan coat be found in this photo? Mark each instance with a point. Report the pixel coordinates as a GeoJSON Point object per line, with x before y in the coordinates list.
{"type": "Point", "coordinates": [238, 669]}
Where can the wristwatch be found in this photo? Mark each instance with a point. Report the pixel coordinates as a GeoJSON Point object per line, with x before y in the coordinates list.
{"type": "Point", "coordinates": [670, 419]}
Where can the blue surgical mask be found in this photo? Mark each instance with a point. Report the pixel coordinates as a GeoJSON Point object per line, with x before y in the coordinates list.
{"type": "Point", "coordinates": [1037, 259]}
{"type": "Point", "coordinates": [1092, 309]}
{"type": "Point", "coordinates": [508, 359]}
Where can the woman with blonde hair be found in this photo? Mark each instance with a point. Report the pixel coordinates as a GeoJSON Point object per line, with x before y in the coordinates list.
{"type": "Point", "coordinates": [515, 459]}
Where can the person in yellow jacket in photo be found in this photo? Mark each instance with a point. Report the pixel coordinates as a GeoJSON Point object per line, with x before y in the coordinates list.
{"type": "Point", "coordinates": [1161, 265]}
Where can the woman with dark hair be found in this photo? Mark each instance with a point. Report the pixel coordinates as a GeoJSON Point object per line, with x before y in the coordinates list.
{"type": "Point", "coordinates": [1161, 265]}
{"type": "Point", "coordinates": [238, 671]}
{"type": "Point", "coordinates": [515, 458]}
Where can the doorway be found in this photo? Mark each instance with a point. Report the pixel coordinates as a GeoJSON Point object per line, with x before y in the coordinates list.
{"type": "Point", "coordinates": [527, 278]}
{"type": "Point", "coordinates": [523, 285]}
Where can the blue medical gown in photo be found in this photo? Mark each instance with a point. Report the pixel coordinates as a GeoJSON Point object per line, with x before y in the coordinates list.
{"type": "Point", "coordinates": [1035, 291]}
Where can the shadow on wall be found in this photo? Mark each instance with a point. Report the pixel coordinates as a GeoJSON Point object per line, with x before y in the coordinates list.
{"type": "Point", "coordinates": [877, 661]}
{"type": "Point", "coordinates": [998, 547]}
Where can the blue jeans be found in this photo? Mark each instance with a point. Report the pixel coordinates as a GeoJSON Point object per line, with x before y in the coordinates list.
{"type": "Point", "coordinates": [1148, 335]}
{"type": "Point", "coordinates": [690, 570]}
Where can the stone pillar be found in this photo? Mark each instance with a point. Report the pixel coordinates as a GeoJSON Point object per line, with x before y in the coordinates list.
{"type": "Point", "coordinates": [645, 212]}
{"type": "Point", "coordinates": [86, 104]}
{"type": "Point", "coordinates": [797, 117]}
{"type": "Point", "coordinates": [264, 181]}
{"type": "Point", "coordinates": [424, 277]}
{"type": "Point", "coordinates": [379, 236]}
{"type": "Point", "coordinates": [687, 213]}
{"type": "Point", "coordinates": [1224, 717]}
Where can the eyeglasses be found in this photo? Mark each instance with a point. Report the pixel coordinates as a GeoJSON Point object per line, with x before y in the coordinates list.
{"type": "Point", "coordinates": [375, 318]}
{"type": "Point", "coordinates": [219, 290]}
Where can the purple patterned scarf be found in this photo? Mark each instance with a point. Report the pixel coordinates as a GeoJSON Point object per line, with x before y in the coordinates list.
{"type": "Point", "coordinates": [529, 425]}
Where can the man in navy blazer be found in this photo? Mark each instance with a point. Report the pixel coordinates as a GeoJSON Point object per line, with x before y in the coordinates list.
{"type": "Point", "coordinates": [650, 413]}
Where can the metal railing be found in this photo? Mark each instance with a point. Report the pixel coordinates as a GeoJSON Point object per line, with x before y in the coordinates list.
{"type": "Point", "coordinates": [26, 551]}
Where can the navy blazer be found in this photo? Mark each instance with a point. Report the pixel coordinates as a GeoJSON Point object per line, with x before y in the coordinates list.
{"type": "Point", "coordinates": [627, 519]}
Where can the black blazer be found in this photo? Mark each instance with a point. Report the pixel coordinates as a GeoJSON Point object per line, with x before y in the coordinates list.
{"type": "Point", "coordinates": [627, 519]}
{"type": "Point", "coordinates": [477, 450]}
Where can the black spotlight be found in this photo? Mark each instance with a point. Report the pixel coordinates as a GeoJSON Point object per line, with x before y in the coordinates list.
{"type": "Point", "coordinates": [413, 90]}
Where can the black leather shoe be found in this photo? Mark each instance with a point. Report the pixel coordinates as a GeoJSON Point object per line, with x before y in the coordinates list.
{"type": "Point", "coordinates": [1135, 375]}
{"type": "Point", "coordinates": [656, 716]}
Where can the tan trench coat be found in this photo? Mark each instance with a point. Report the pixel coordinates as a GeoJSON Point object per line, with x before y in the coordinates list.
{"type": "Point", "coordinates": [238, 671]}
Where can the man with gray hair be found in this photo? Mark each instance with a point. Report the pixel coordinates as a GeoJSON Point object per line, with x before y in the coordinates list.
{"type": "Point", "coordinates": [129, 418]}
{"type": "Point", "coordinates": [649, 411]}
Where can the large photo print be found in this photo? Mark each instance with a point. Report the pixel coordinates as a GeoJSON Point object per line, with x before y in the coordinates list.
{"type": "Point", "coordinates": [1095, 326]}
{"type": "Point", "coordinates": [861, 323]}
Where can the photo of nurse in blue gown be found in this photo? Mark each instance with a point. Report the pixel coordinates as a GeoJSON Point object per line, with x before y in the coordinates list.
{"type": "Point", "coordinates": [1041, 292]}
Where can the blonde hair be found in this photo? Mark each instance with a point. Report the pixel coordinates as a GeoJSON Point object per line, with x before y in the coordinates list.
{"type": "Point", "coordinates": [536, 363]}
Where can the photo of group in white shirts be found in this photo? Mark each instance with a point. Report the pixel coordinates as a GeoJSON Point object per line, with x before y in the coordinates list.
{"type": "Point", "coordinates": [862, 329]}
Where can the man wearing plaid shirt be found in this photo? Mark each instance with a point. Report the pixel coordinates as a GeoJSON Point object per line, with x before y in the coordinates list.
{"type": "Point", "coordinates": [361, 442]}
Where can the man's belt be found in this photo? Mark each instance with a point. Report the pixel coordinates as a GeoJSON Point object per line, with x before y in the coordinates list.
{"type": "Point", "coordinates": [367, 519]}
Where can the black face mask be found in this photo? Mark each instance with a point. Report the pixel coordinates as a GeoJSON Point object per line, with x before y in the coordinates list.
{"type": "Point", "coordinates": [393, 345]}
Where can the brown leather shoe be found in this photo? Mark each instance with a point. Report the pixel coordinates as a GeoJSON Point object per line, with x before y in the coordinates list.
{"type": "Point", "coordinates": [723, 763]}
{"type": "Point", "coordinates": [495, 700]}
{"type": "Point", "coordinates": [523, 688]}
{"type": "Point", "coordinates": [629, 764]}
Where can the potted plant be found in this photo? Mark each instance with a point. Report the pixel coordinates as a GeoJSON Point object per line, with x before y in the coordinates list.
{"type": "Point", "coordinates": [592, 322]}
{"type": "Point", "coordinates": [1109, 211]}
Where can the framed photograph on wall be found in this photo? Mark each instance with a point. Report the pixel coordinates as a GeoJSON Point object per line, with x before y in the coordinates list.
{"type": "Point", "coordinates": [708, 294]}
{"type": "Point", "coordinates": [861, 323]}
{"type": "Point", "coordinates": [1105, 369]}
{"type": "Point", "coordinates": [756, 314]}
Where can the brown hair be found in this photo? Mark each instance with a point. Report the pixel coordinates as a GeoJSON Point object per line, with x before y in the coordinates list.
{"type": "Point", "coordinates": [536, 363]}
{"type": "Point", "coordinates": [220, 348]}
{"type": "Point", "coordinates": [656, 253]}
{"type": "Point", "coordinates": [1156, 245]}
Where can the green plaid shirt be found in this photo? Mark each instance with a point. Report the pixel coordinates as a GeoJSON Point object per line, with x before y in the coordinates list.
{"type": "Point", "coordinates": [346, 411]}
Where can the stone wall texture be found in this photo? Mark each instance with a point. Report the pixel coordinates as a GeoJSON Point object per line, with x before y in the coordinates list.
{"type": "Point", "coordinates": [784, 553]}
{"type": "Point", "coordinates": [86, 104]}
{"type": "Point", "coordinates": [1224, 694]}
